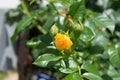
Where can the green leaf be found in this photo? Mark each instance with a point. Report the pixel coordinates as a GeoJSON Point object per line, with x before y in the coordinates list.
{"type": "Point", "coordinates": [44, 59]}
{"type": "Point", "coordinates": [100, 39]}
{"type": "Point", "coordinates": [73, 76]}
{"type": "Point", "coordinates": [68, 66]}
{"type": "Point", "coordinates": [33, 43]}
{"type": "Point", "coordinates": [77, 10]}
{"type": "Point", "coordinates": [35, 53]}
{"type": "Point", "coordinates": [90, 68]}
{"type": "Point", "coordinates": [87, 34]}
{"type": "Point", "coordinates": [96, 49]}
{"type": "Point", "coordinates": [33, 1]}
{"type": "Point", "coordinates": [46, 38]}
{"type": "Point", "coordinates": [112, 72]}
{"type": "Point", "coordinates": [68, 70]}
{"type": "Point", "coordinates": [68, 4]}
{"type": "Point", "coordinates": [90, 23]}
{"type": "Point", "coordinates": [48, 24]}
{"type": "Point", "coordinates": [25, 22]}
{"type": "Point", "coordinates": [91, 76]}
{"type": "Point", "coordinates": [63, 0]}
{"type": "Point", "coordinates": [104, 21]}
{"type": "Point", "coordinates": [114, 57]}
{"type": "Point", "coordinates": [117, 45]}
{"type": "Point", "coordinates": [58, 0]}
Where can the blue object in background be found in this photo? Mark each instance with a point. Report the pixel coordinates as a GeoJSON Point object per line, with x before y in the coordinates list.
{"type": "Point", "coordinates": [43, 76]}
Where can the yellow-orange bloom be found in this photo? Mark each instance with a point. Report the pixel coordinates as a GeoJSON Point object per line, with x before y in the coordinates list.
{"type": "Point", "coordinates": [62, 41]}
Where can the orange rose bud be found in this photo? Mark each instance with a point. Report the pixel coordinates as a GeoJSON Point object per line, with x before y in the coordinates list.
{"type": "Point", "coordinates": [62, 41]}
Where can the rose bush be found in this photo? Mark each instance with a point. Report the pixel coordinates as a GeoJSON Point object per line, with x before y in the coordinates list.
{"type": "Point", "coordinates": [88, 51]}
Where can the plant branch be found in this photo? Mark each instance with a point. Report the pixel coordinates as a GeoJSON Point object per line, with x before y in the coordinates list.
{"type": "Point", "coordinates": [41, 29]}
{"type": "Point", "coordinates": [74, 58]}
{"type": "Point", "coordinates": [26, 11]}
{"type": "Point", "coordinates": [25, 8]}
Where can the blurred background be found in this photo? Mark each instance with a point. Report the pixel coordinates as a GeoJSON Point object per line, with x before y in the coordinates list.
{"type": "Point", "coordinates": [8, 59]}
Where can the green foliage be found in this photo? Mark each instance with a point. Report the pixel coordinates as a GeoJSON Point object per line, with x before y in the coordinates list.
{"type": "Point", "coordinates": [43, 60]}
{"type": "Point", "coordinates": [77, 10]}
{"type": "Point", "coordinates": [104, 21]}
{"type": "Point", "coordinates": [91, 76]}
{"type": "Point", "coordinates": [90, 68]}
{"type": "Point", "coordinates": [68, 66]}
{"type": "Point", "coordinates": [73, 76]}
{"type": "Point", "coordinates": [95, 50]}
{"type": "Point", "coordinates": [114, 56]}
{"type": "Point", "coordinates": [87, 34]}
{"type": "Point", "coordinates": [25, 22]}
